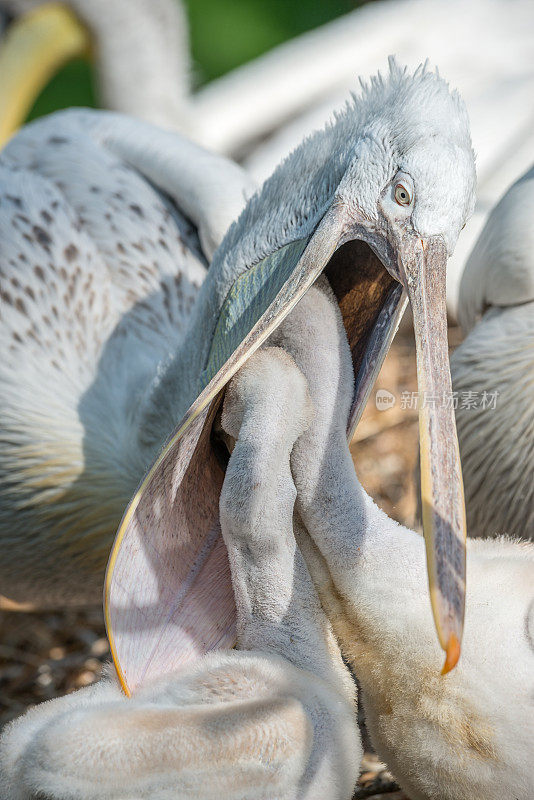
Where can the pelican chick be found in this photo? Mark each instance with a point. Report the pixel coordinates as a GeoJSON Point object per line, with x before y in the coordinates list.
{"type": "Point", "coordinates": [470, 733]}
{"type": "Point", "coordinates": [493, 370]}
{"type": "Point", "coordinates": [274, 718]}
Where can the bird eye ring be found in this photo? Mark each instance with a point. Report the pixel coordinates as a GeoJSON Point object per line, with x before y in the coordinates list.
{"type": "Point", "coordinates": [402, 195]}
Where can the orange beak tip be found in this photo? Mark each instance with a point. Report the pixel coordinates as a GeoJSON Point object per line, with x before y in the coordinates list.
{"type": "Point", "coordinates": [452, 654]}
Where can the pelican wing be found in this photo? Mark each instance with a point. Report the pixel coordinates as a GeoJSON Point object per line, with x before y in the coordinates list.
{"type": "Point", "coordinates": [100, 266]}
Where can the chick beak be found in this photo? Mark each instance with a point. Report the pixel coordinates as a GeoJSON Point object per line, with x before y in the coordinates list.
{"type": "Point", "coordinates": [422, 270]}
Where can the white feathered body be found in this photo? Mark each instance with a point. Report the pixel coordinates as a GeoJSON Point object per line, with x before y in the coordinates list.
{"type": "Point", "coordinates": [100, 270]}
{"type": "Point", "coordinates": [275, 718]}
{"type": "Point", "coordinates": [493, 370]}
{"type": "Point", "coordinates": [495, 367]}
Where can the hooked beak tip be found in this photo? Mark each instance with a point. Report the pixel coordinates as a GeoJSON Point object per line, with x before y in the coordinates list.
{"type": "Point", "coordinates": [452, 654]}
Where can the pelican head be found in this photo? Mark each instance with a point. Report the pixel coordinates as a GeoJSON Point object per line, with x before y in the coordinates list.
{"type": "Point", "coordinates": [375, 201]}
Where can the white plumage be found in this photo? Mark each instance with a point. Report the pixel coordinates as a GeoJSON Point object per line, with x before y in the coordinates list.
{"type": "Point", "coordinates": [483, 46]}
{"type": "Point", "coordinates": [100, 271]}
{"type": "Point", "coordinates": [496, 311]}
{"type": "Point", "coordinates": [349, 169]}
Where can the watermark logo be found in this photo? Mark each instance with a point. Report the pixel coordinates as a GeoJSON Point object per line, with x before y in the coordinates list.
{"type": "Point", "coordinates": [413, 401]}
{"type": "Point", "coordinates": [384, 399]}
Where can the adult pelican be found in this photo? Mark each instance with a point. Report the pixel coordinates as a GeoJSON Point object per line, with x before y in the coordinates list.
{"type": "Point", "coordinates": [493, 370]}
{"type": "Point", "coordinates": [286, 732]}
{"type": "Point", "coordinates": [376, 200]}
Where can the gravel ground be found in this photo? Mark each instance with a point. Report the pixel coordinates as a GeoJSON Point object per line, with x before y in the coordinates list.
{"type": "Point", "coordinates": [45, 655]}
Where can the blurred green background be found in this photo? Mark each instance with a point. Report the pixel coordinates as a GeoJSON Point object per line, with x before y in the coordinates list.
{"type": "Point", "coordinates": [223, 35]}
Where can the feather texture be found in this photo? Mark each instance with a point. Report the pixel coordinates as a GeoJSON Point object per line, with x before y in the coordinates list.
{"type": "Point", "coordinates": [100, 270]}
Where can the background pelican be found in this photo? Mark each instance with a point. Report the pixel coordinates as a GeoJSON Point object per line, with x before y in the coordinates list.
{"type": "Point", "coordinates": [497, 313]}
{"type": "Point", "coordinates": [140, 50]}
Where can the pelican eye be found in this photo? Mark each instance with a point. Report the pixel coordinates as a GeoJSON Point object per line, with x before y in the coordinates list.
{"type": "Point", "coordinates": [402, 195]}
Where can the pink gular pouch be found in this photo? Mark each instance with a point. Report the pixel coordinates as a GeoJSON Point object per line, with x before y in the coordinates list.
{"type": "Point", "coordinates": [168, 594]}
